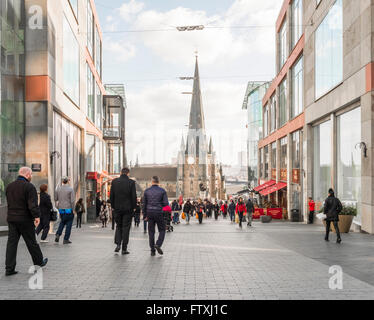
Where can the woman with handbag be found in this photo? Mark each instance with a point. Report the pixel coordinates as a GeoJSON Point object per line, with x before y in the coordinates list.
{"type": "Point", "coordinates": [241, 210]}
{"type": "Point", "coordinates": [46, 208]}
{"type": "Point", "coordinates": [79, 209]}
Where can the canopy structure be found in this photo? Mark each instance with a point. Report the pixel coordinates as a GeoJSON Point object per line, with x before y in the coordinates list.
{"type": "Point", "coordinates": [273, 188]}
{"type": "Point", "coordinates": [265, 186]}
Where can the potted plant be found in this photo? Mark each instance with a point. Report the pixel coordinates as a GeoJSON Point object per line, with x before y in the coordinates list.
{"type": "Point", "coordinates": [345, 218]}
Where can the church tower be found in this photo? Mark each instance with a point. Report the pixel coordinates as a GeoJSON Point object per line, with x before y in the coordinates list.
{"type": "Point", "coordinates": [194, 174]}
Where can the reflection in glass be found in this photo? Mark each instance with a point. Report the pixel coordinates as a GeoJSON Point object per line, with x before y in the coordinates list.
{"type": "Point", "coordinates": [297, 88]}
{"type": "Point", "coordinates": [329, 51]}
{"type": "Point", "coordinates": [349, 159]}
{"type": "Point", "coordinates": [283, 103]}
{"type": "Point", "coordinates": [322, 160]}
{"type": "Point", "coordinates": [71, 63]}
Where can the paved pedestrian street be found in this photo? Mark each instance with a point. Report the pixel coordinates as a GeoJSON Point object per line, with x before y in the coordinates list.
{"type": "Point", "coordinates": [215, 260]}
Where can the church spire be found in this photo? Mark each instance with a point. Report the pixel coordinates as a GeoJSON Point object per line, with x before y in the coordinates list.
{"type": "Point", "coordinates": [197, 121]}
{"type": "Point", "coordinates": [210, 150]}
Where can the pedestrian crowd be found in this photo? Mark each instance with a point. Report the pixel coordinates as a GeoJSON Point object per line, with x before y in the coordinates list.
{"type": "Point", "coordinates": [28, 217]}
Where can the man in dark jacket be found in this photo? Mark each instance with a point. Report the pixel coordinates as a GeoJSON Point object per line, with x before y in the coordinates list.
{"type": "Point", "coordinates": [332, 209]}
{"type": "Point", "coordinates": [123, 201]}
{"type": "Point", "coordinates": [187, 210]}
{"type": "Point", "coordinates": [155, 199]}
{"type": "Point", "coordinates": [23, 217]}
{"type": "Point", "coordinates": [231, 209]}
{"type": "Point", "coordinates": [250, 211]}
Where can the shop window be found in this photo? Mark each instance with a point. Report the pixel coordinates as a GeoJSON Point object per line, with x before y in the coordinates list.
{"type": "Point", "coordinates": [322, 161]}
{"type": "Point", "coordinates": [349, 159]}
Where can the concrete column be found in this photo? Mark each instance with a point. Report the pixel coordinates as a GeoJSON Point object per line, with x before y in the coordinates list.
{"type": "Point", "coordinates": [334, 149]}
{"type": "Point", "coordinates": [307, 166]}
{"type": "Point", "coordinates": [367, 173]}
{"type": "Point", "coordinates": [289, 175]}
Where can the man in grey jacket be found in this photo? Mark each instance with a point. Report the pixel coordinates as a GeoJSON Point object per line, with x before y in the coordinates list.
{"type": "Point", "coordinates": [65, 201]}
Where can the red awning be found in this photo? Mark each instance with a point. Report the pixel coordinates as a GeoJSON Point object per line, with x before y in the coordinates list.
{"type": "Point", "coordinates": [264, 186]}
{"type": "Point", "coordinates": [274, 188]}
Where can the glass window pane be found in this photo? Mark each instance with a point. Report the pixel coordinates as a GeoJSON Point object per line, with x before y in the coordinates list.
{"type": "Point", "coordinates": [71, 63]}
{"type": "Point", "coordinates": [349, 159]}
{"type": "Point", "coordinates": [297, 88]}
{"type": "Point", "coordinates": [283, 103]}
{"type": "Point", "coordinates": [329, 51]}
{"type": "Point", "coordinates": [322, 161]}
{"type": "Point", "coordinates": [297, 21]}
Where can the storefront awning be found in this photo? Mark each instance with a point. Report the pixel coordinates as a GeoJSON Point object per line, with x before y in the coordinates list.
{"type": "Point", "coordinates": [264, 186]}
{"type": "Point", "coordinates": [273, 188]}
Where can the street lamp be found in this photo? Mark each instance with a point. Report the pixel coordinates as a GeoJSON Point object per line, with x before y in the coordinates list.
{"type": "Point", "coordinates": [190, 28]}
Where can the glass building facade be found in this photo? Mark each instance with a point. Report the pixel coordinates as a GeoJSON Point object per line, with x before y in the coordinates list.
{"type": "Point", "coordinates": [255, 94]}
{"type": "Point", "coordinates": [12, 87]}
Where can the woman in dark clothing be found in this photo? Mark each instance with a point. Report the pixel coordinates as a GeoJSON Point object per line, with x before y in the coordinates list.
{"type": "Point", "coordinates": [332, 208]}
{"type": "Point", "coordinates": [200, 211]}
{"type": "Point", "coordinates": [79, 209]}
{"type": "Point", "coordinates": [45, 211]}
{"type": "Point", "coordinates": [216, 210]}
{"type": "Point", "coordinates": [137, 214]}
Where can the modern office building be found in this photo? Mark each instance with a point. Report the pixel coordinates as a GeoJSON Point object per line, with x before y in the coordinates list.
{"type": "Point", "coordinates": [319, 106]}
{"type": "Point", "coordinates": [53, 116]}
{"type": "Point", "coordinates": [280, 165]}
{"type": "Point", "coordinates": [12, 95]}
{"type": "Point", "coordinates": [339, 73]}
{"type": "Point", "coordinates": [253, 104]}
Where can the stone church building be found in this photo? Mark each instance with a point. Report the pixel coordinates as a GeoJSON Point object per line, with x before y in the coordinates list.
{"type": "Point", "coordinates": [198, 173]}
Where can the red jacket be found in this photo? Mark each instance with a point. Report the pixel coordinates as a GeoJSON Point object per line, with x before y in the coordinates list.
{"type": "Point", "coordinates": [241, 208]}
{"type": "Point", "coordinates": [312, 206]}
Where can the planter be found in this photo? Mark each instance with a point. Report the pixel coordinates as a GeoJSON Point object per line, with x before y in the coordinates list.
{"type": "Point", "coordinates": [345, 223]}
{"type": "Point", "coordinates": [266, 219]}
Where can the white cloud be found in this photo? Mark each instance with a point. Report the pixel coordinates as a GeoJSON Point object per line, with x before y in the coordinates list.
{"type": "Point", "coordinates": [119, 50]}
{"type": "Point", "coordinates": [129, 10]}
{"type": "Point", "coordinates": [213, 44]}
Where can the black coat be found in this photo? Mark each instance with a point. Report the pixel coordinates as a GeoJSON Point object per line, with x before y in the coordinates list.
{"type": "Point", "coordinates": [123, 194]}
{"type": "Point", "coordinates": [250, 207]}
{"type": "Point", "coordinates": [332, 208]}
{"type": "Point", "coordinates": [22, 200]}
{"type": "Point", "coordinates": [187, 207]}
{"type": "Point", "coordinates": [45, 205]}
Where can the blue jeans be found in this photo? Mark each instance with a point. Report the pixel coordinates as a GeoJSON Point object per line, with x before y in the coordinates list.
{"type": "Point", "coordinates": [66, 220]}
{"type": "Point", "coordinates": [176, 217]}
{"type": "Point", "coordinates": [153, 220]}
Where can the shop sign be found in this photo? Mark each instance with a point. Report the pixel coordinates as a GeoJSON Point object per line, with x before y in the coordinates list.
{"type": "Point", "coordinates": [283, 175]}
{"type": "Point", "coordinates": [275, 213]}
{"type": "Point", "coordinates": [91, 176]}
{"type": "Point", "coordinates": [258, 213]}
{"type": "Point", "coordinates": [14, 167]}
{"type": "Point", "coordinates": [274, 174]}
{"type": "Point", "coordinates": [296, 176]}
{"type": "Point", "coordinates": [36, 167]}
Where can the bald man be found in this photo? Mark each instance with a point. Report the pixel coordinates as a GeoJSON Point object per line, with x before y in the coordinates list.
{"type": "Point", "coordinates": [23, 217]}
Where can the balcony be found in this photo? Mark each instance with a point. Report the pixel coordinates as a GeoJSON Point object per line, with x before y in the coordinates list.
{"type": "Point", "coordinates": [112, 133]}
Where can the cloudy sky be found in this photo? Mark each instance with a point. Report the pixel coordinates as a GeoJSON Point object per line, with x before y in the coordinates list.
{"type": "Point", "coordinates": [143, 50]}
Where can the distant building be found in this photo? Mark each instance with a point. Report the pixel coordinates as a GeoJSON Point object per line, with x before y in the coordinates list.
{"type": "Point", "coordinates": [253, 104]}
{"type": "Point", "coordinates": [167, 175]}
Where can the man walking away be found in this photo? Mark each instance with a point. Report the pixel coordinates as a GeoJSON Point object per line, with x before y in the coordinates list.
{"type": "Point", "coordinates": [155, 199]}
{"type": "Point", "coordinates": [312, 208]}
{"type": "Point", "coordinates": [187, 210]}
{"type": "Point", "coordinates": [65, 200]}
{"type": "Point", "coordinates": [123, 200]}
{"type": "Point", "coordinates": [232, 210]}
{"type": "Point", "coordinates": [250, 211]}
{"type": "Point", "coordinates": [23, 216]}
{"type": "Point", "coordinates": [332, 209]}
